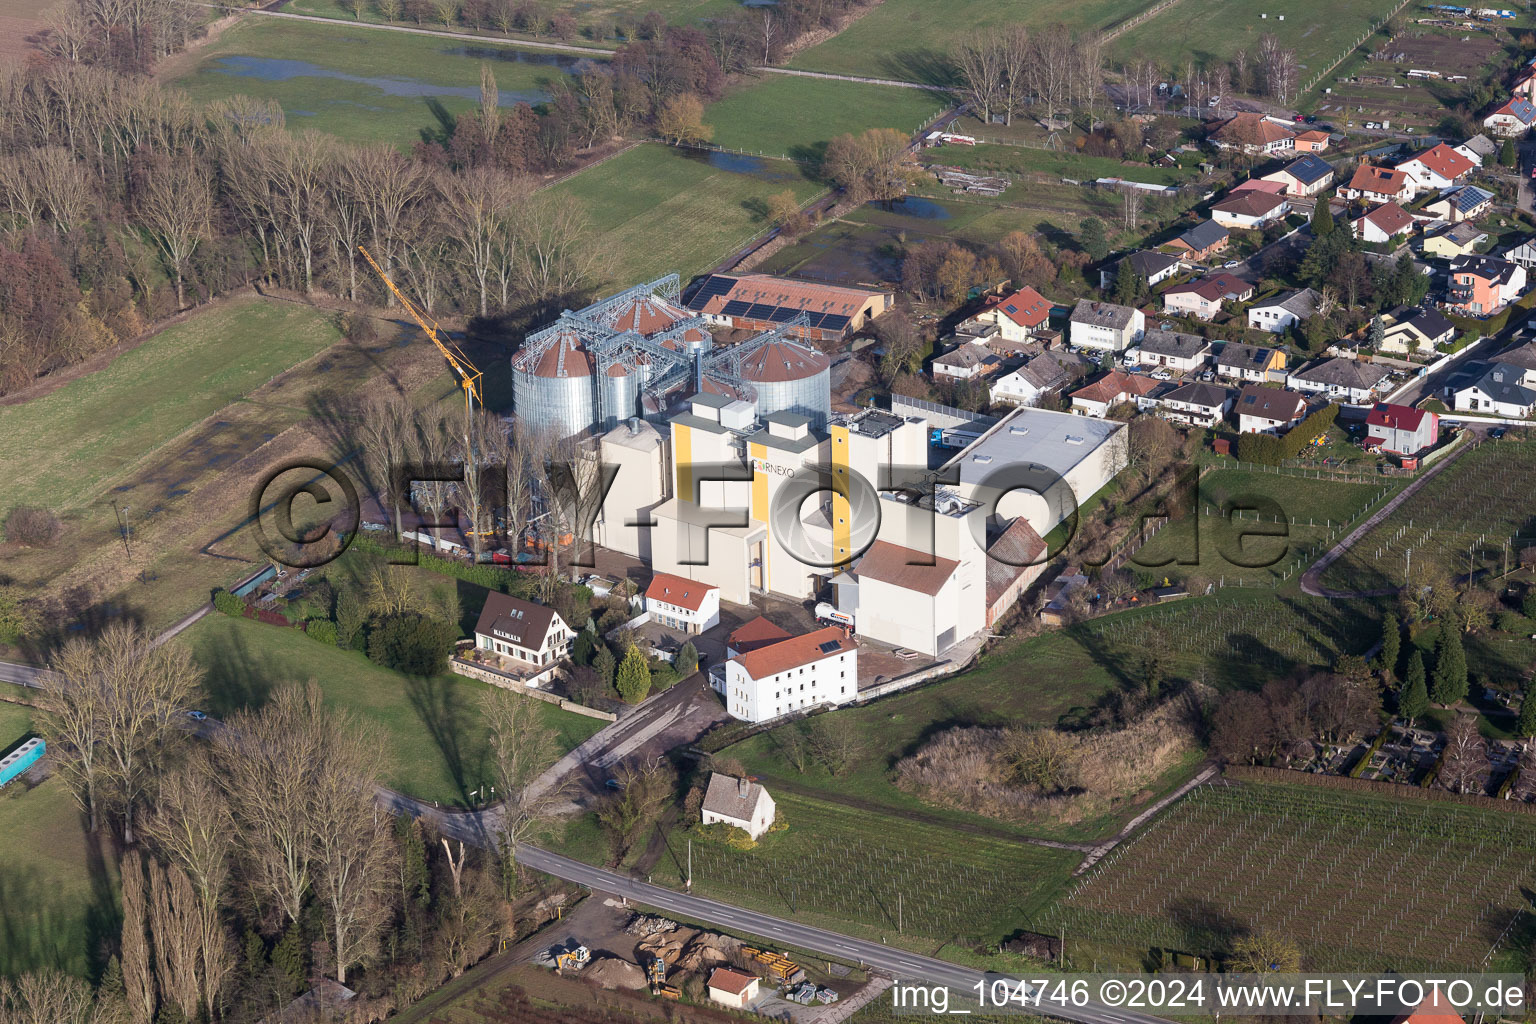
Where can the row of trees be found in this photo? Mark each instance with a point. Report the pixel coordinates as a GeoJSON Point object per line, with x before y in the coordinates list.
{"type": "Point", "coordinates": [1054, 71]}
{"type": "Point", "coordinates": [271, 829]}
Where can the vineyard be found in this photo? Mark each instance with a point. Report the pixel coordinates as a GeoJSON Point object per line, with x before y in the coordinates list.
{"type": "Point", "coordinates": [1224, 638]}
{"type": "Point", "coordinates": [1360, 884]}
{"type": "Point", "coordinates": [846, 868]}
{"type": "Point", "coordinates": [1472, 517]}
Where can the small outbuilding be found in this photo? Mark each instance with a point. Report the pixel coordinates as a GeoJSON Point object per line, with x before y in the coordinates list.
{"type": "Point", "coordinates": [739, 802]}
{"type": "Point", "coordinates": [732, 988]}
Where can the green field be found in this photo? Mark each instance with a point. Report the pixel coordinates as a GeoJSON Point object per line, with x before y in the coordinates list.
{"type": "Point", "coordinates": [841, 868]}
{"type": "Point", "coordinates": [64, 448]}
{"type": "Point", "coordinates": [431, 726]}
{"type": "Point", "coordinates": [1360, 882]}
{"type": "Point", "coordinates": [1058, 163]}
{"type": "Point", "coordinates": [660, 209]}
{"type": "Point", "coordinates": [1213, 30]}
{"type": "Point", "coordinates": [911, 40]}
{"type": "Point", "coordinates": [57, 892]}
{"type": "Point", "coordinates": [783, 115]}
{"type": "Point", "coordinates": [586, 12]}
{"type": "Point", "coordinates": [351, 82]}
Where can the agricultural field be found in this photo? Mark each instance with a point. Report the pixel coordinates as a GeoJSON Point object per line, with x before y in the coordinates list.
{"type": "Point", "coordinates": [329, 78]}
{"type": "Point", "coordinates": [431, 726]}
{"type": "Point", "coordinates": [911, 40]}
{"type": "Point", "coordinates": [1381, 89]}
{"type": "Point", "coordinates": [58, 899]}
{"type": "Point", "coordinates": [1213, 30]}
{"type": "Point", "coordinates": [588, 13]}
{"type": "Point", "coordinates": [841, 867]}
{"type": "Point", "coordinates": [1281, 523]}
{"type": "Point", "coordinates": [795, 118]}
{"type": "Point", "coordinates": [20, 19]}
{"type": "Point", "coordinates": [1359, 882]}
{"type": "Point", "coordinates": [1022, 161]}
{"type": "Point", "coordinates": [1469, 518]}
{"type": "Point", "coordinates": [661, 210]}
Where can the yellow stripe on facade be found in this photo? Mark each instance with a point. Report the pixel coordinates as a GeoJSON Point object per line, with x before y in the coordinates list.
{"type": "Point", "coordinates": [842, 525]}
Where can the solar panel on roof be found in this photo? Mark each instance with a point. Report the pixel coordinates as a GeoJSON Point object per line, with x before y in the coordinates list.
{"type": "Point", "coordinates": [833, 322]}
{"type": "Point", "coordinates": [781, 314]}
{"type": "Point", "coordinates": [760, 310]}
{"type": "Point", "coordinates": [736, 307]}
{"type": "Point", "coordinates": [813, 319]}
{"type": "Point", "coordinates": [713, 287]}
{"type": "Point", "coordinates": [829, 646]}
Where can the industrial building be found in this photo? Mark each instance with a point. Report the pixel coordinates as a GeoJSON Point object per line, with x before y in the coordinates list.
{"type": "Point", "coordinates": [758, 302]}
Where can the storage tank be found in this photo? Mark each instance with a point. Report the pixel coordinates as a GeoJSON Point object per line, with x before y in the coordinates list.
{"type": "Point", "coordinates": [621, 394]}
{"type": "Point", "coordinates": [553, 390]}
{"type": "Point", "coordinates": [791, 377]}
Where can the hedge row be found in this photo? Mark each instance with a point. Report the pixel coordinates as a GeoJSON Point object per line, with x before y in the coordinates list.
{"type": "Point", "coordinates": [1268, 450]}
{"type": "Point", "coordinates": [1254, 773]}
{"type": "Point", "coordinates": [491, 577]}
{"type": "Point", "coordinates": [1370, 752]}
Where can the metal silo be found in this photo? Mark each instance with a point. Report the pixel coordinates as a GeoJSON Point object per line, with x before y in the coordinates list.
{"type": "Point", "coordinates": [552, 384]}
{"type": "Point", "coordinates": [621, 395]}
{"type": "Point", "coordinates": [791, 377]}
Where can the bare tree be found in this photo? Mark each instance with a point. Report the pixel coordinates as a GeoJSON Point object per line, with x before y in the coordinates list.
{"type": "Point", "coordinates": [522, 749]}
{"type": "Point", "coordinates": [440, 440]}
{"type": "Point", "coordinates": [176, 926]}
{"type": "Point", "coordinates": [485, 457]}
{"type": "Point", "coordinates": [1465, 758]}
{"type": "Point", "coordinates": [49, 997]}
{"type": "Point", "coordinates": [478, 216]}
{"type": "Point", "coordinates": [558, 254]}
{"type": "Point", "coordinates": [979, 59]}
{"type": "Point", "coordinates": [386, 432]}
{"type": "Point", "coordinates": [176, 205]}
{"type": "Point", "coordinates": [385, 186]}
{"type": "Point", "coordinates": [138, 977]}
{"type": "Point", "coordinates": [1013, 41]}
{"type": "Point", "coordinates": [647, 788]}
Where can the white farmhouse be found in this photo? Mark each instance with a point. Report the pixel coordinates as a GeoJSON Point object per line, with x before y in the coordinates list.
{"type": "Point", "coordinates": [681, 603]}
{"type": "Point", "coordinates": [793, 675]}
{"type": "Point", "coordinates": [1498, 392]}
{"type": "Point", "coordinates": [741, 803]}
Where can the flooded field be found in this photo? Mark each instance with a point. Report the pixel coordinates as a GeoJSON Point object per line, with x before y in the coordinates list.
{"type": "Point", "coordinates": [271, 69]}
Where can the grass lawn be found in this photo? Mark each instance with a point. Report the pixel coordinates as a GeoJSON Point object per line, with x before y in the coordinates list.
{"type": "Point", "coordinates": [1214, 30]}
{"type": "Point", "coordinates": [840, 867]}
{"type": "Point", "coordinates": [352, 83]}
{"type": "Point", "coordinates": [1016, 160]}
{"type": "Point", "coordinates": [65, 448]}
{"type": "Point", "coordinates": [659, 209]}
{"type": "Point", "coordinates": [586, 12]}
{"type": "Point", "coordinates": [58, 897]}
{"type": "Point", "coordinates": [431, 726]}
{"type": "Point", "coordinates": [781, 115]}
{"type": "Point", "coordinates": [911, 40]}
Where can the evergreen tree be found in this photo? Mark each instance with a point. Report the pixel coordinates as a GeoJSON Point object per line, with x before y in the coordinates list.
{"type": "Point", "coordinates": [581, 650]}
{"type": "Point", "coordinates": [687, 660]}
{"type": "Point", "coordinates": [1128, 285]}
{"type": "Point", "coordinates": [288, 957]}
{"type": "Point", "coordinates": [1414, 699]}
{"type": "Point", "coordinates": [1376, 334]}
{"type": "Point", "coordinates": [1507, 156]}
{"type": "Point", "coordinates": [634, 678]}
{"type": "Point", "coordinates": [415, 876]}
{"type": "Point", "coordinates": [1449, 684]}
{"type": "Point", "coordinates": [1322, 217]}
{"type": "Point", "coordinates": [1091, 234]}
{"type": "Point", "coordinates": [1409, 286]}
{"type": "Point", "coordinates": [1391, 645]}
{"type": "Point", "coordinates": [1525, 727]}
{"type": "Point", "coordinates": [605, 664]}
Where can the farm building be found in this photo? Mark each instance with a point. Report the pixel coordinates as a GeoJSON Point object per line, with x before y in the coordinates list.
{"type": "Point", "coordinates": [732, 988]}
{"type": "Point", "coordinates": [757, 302]}
{"type": "Point", "coordinates": [740, 803]}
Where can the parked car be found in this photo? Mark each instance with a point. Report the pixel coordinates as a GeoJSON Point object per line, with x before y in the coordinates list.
{"type": "Point", "coordinates": [1162, 375]}
{"type": "Point", "coordinates": [1232, 263]}
{"type": "Point", "coordinates": [197, 716]}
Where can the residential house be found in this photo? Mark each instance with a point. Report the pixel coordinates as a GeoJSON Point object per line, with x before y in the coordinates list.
{"type": "Point", "coordinates": [1040, 376]}
{"type": "Point", "coordinates": [1414, 330]}
{"type": "Point", "coordinates": [1344, 380]}
{"type": "Point", "coordinates": [1018, 315]}
{"type": "Point", "coordinates": [1154, 267]}
{"type": "Point", "coordinates": [1522, 359]}
{"type": "Point", "coordinates": [680, 603]}
{"type": "Point", "coordinates": [1459, 204]}
{"type": "Point", "coordinates": [966, 362]}
{"type": "Point", "coordinates": [1483, 285]}
{"type": "Point", "coordinates": [1479, 149]}
{"type": "Point", "coordinates": [1437, 168]}
{"type": "Point", "coordinates": [1378, 185]}
{"type": "Point", "coordinates": [1105, 326]}
{"type": "Point", "coordinates": [1523, 254]}
{"type": "Point", "coordinates": [1250, 362]}
{"type": "Point", "coordinates": [1171, 350]}
{"type": "Point", "coordinates": [1281, 312]}
{"type": "Point", "coordinates": [1498, 392]}
{"type": "Point", "coordinates": [1524, 85]}
{"type": "Point", "coordinates": [1401, 429]}
{"type": "Point", "coordinates": [1108, 391]}
{"type": "Point", "coordinates": [1254, 134]}
{"type": "Point", "coordinates": [1203, 296]}
{"type": "Point", "coordinates": [1251, 209]}
{"type": "Point", "coordinates": [1265, 185]}
{"type": "Point", "coordinates": [740, 803]}
{"type": "Point", "coordinates": [752, 634]}
{"type": "Point", "coordinates": [1382, 224]}
{"type": "Point", "coordinates": [1201, 242]}
{"type": "Point", "coordinates": [732, 988]}
{"type": "Point", "coordinates": [1313, 140]}
{"type": "Point", "coordinates": [1305, 176]}
{"type": "Point", "coordinates": [1268, 410]}
{"type": "Point", "coordinates": [533, 634]}
{"type": "Point", "coordinates": [1197, 404]}
{"type": "Point", "coordinates": [1511, 120]}
{"type": "Point", "coordinates": [807, 671]}
{"type": "Point", "coordinates": [1454, 240]}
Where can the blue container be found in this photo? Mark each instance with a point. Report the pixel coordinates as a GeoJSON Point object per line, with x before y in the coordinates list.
{"type": "Point", "coordinates": [22, 758]}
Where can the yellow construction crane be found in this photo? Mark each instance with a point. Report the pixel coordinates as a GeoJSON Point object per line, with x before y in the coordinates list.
{"type": "Point", "coordinates": [469, 377]}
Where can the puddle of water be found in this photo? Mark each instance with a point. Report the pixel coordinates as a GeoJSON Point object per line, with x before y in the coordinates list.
{"type": "Point", "coordinates": [737, 163]}
{"type": "Point", "coordinates": [271, 69]}
{"type": "Point", "coordinates": [913, 206]}
{"type": "Point", "coordinates": [300, 113]}
{"type": "Point", "coordinates": [546, 58]}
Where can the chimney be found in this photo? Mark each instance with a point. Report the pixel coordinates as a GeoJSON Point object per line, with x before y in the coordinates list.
{"type": "Point", "coordinates": [743, 787]}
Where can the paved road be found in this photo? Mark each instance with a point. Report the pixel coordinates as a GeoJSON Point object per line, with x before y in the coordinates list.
{"type": "Point", "coordinates": [899, 963]}
{"type": "Point", "coordinates": [21, 675]}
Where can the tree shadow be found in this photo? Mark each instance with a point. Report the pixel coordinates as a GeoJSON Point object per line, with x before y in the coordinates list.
{"type": "Point", "coordinates": [440, 706]}
{"type": "Point", "coordinates": [235, 677]}
{"type": "Point", "coordinates": [442, 134]}
{"type": "Point", "coordinates": [1205, 925]}
{"type": "Point", "coordinates": [927, 66]}
{"type": "Point", "coordinates": [756, 208]}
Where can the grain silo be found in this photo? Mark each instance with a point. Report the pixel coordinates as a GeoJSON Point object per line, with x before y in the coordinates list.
{"type": "Point", "coordinates": [552, 382]}
{"type": "Point", "coordinates": [789, 376]}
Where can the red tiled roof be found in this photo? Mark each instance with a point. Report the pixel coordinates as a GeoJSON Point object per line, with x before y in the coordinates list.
{"type": "Point", "coordinates": [1433, 1010]}
{"type": "Point", "coordinates": [1383, 180]}
{"type": "Point", "coordinates": [1443, 160]}
{"type": "Point", "coordinates": [1025, 307]}
{"type": "Point", "coordinates": [894, 564]}
{"type": "Point", "coordinates": [727, 980]}
{"type": "Point", "coordinates": [755, 633]}
{"type": "Point", "coordinates": [1114, 384]}
{"type": "Point", "coordinates": [1389, 217]}
{"type": "Point", "coordinates": [1396, 417]}
{"type": "Point", "coordinates": [1312, 135]}
{"type": "Point", "coordinates": [677, 590]}
{"type": "Point", "coordinates": [1252, 203]}
{"type": "Point", "coordinates": [1251, 130]}
{"type": "Point", "coordinates": [795, 652]}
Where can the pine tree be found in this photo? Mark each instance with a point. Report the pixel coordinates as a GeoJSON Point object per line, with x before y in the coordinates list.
{"type": "Point", "coordinates": [1391, 645]}
{"type": "Point", "coordinates": [605, 664]}
{"type": "Point", "coordinates": [1322, 217]}
{"type": "Point", "coordinates": [1414, 699]}
{"type": "Point", "coordinates": [687, 660]}
{"type": "Point", "coordinates": [581, 650]}
{"type": "Point", "coordinates": [1525, 727]}
{"type": "Point", "coordinates": [634, 678]}
{"type": "Point", "coordinates": [1449, 684]}
{"type": "Point", "coordinates": [1095, 243]}
{"type": "Point", "coordinates": [1128, 285]}
{"type": "Point", "coordinates": [1376, 334]}
{"type": "Point", "coordinates": [1507, 156]}
{"type": "Point", "coordinates": [288, 957]}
